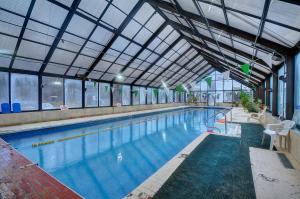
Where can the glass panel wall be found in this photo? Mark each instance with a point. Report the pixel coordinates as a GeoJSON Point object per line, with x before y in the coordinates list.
{"type": "Point", "coordinates": [281, 98]}
{"type": "Point", "coordinates": [52, 92]}
{"type": "Point", "coordinates": [170, 96]}
{"type": "Point", "coordinates": [4, 88]}
{"type": "Point", "coordinates": [24, 90]}
{"type": "Point", "coordinates": [161, 96]}
{"type": "Point", "coordinates": [220, 91]}
{"type": "Point", "coordinates": [104, 94]}
{"type": "Point", "coordinates": [73, 93]}
{"type": "Point", "coordinates": [126, 95]}
{"type": "Point", "coordinates": [142, 95]}
{"type": "Point", "coordinates": [154, 95]}
{"type": "Point", "coordinates": [91, 94]}
{"type": "Point", "coordinates": [135, 95]}
{"type": "Point", "coordinates": [117, 94]}
{"type": "Point", "coordinates": [149, 95]}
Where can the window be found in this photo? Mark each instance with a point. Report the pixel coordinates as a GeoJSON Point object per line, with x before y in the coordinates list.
{"type": "Point", "coordinates": [142, 95]}
{"type": "Point", "coordinates": [219, 85]}
{"type": "Point", "coordinates": [161, 96]}
{"type": "Point", "coordinates": [154, 95]}
{"type": "Point", "coordinates": [219, 96]}
{"type": "Point", "coordinates": [149, 95]}
{"type": "Point", "coordinates": [117, 94]}
{"type": "Point", "coordinates": [24, 90]}
{"type": "Point", "coordinates": [104, 94]}
{"type": "Point", "coordinates": [4, 95]}
{"type": "Point", "coordinates": [52, 92]}
{"type": "Point", "coordinates": [73, 93]}
{"type": "Point", "coordinates": [125, 95]}
{"type": "Point", "coordinates": [236, 96]}
{"type": "Point", "coordinates": [281, 98]}
{"type": "Point", "coordinates": [203, 97]}
{"type": "Point", "coordinates": [170, 96]}
{"type": "Point", "coordinates": [203, 86]}
{"type": "Point", "coordinates": [91, 94]}
{"type": "Point", "coordinates": [227, 96]}
{"type": "Point", "coordinates": [135, 95]}
{"type": "Point", "coordinates": [236, 85]}
{"type": "Point", "coordinates": [227, 84]}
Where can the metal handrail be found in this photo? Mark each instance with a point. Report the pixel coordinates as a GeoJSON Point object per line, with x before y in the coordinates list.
{"type": "Point", "coordinates": [214, 115]}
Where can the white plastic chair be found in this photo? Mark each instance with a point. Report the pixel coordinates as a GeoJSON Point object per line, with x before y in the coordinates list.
{"type": "Point", "coordinates": [257, 116]}
{"type": "Point", "coordinates": [281, 129]}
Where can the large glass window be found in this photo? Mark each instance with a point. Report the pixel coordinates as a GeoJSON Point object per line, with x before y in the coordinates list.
{"type": "Point", "coordinates": [117, 94]}
{"type": "Point", "coordinates": [149, 95]}
{"type": "Point", "coordinates": [154, 95]}
{"type": "Point", "coordinates": [24, 90]}
{"type": "Point", "coordinates": [170, 96]}
{"type": "Point", "coordinates": [281, 98]}
{"type": "Point", "coordinates": [135, 95]}
{"type": "Point", "coordinates": [142, 95]}
{"type": "Point", "coordinates": [227, 96]}
{"type": "Point", "coordinates": [104, 94]}
{"type": "Point", "coordinates": [236, 85]}
{"type": "Point", "coordinates": [162, 96]}
{"type": "Point", "coordinates": [125, 95]}
{"type": "Point", "coordinates": [4, 95]}
{"type": "Point", "coordinates": [52, 92]}
{"type": "Point", "coordinates": [227, 84]}
{"type": "Point", "coordinates": [73, 93]}
{"type": "Point", "coordinates": [91, 94]}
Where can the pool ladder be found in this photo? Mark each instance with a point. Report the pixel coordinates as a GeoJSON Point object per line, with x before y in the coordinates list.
{"type": "Point", "coordinates": [225, 121]}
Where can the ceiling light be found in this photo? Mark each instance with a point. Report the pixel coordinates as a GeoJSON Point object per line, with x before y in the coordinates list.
{"type": "Point", "coordinates": [120, 77]}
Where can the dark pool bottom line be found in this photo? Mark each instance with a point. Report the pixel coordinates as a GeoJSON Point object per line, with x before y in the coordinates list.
{"type": "Point", "coordinates": [20, 178]}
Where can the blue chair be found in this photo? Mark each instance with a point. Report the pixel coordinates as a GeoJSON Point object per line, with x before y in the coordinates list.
{"type": "Point", "coordinates": [16, 107]}
{"type": "Point", "coordinates": [5, 107]}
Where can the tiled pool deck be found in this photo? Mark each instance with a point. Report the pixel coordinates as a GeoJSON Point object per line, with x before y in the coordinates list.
{"type": "Point", "coordinates": [20, 178]}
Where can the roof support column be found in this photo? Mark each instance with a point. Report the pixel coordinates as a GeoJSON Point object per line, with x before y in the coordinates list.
{"type": "Point", "coordinates": [275, 93]}
{"type": "Point", "coordinates": [290, 76]}
{"type": "Point", "coordinates": [268, 93]}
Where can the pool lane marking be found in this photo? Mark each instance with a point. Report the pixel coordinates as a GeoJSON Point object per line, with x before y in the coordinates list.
{"type": "Point", "coordinates": [85, 134]}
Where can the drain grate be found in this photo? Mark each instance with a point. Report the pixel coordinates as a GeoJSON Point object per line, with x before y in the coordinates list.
{"type": "Point", "coordinates": [286, 163]}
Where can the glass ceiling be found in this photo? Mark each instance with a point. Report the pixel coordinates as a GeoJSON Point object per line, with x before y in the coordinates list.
{"type": "Point", "coordinates": [175, 41]}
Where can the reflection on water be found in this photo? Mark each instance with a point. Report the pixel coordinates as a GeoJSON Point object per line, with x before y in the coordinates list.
{"type": "Point", "coordinates": [111, 159]}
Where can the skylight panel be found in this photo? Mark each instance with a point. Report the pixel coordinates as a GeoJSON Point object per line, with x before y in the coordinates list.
{"type": "Point", "coordinates": [33, 50]}
{"type": "Point", "coordinates": [113, 16]}
{"type": "Point", "coordinates": [120, 44]}
{"type": "Point", "coordinates": [62, 57]}
{"type": "Point", "coordinates": [254, 7]}
{"type": "Point", "coordinates": [7, 21]}
{"type": "Point", "coordinates": [143, 36]}
{"type": "Point", "coordinates": [131, 29]}
{"type": "Point", "coordinates": [27, 64]}
{"type": "Point", "coordinates": [93, 7]}
{"type": "Point", "coordinates": [212, 12]}
{"type": "Point", "coordinates": [48, 13]}
{"type": "Point", "coordinates": [55, 68]}
{"type": "Point", "coordinates": [125, 6]}
{"type": "Point", "coordinates": [101, 36]}
{"type": "Point", "coordinates": [80, 26]}
{"type": "Point", "coordinates": [155, 22]}
{"type": "Point", "coordinates": [83, 61]}
{"type": "Point", "coordinates": [144, 13]}
{"type": "Point", "coordinates": [18, 6]}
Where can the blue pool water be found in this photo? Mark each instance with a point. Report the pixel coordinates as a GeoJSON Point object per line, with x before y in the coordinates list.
{"type": "Point", "coordinates": [109, 159]}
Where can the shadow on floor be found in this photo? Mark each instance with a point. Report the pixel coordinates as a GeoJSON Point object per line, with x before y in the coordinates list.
{"type": "Point", "coordinates": [218, 168]}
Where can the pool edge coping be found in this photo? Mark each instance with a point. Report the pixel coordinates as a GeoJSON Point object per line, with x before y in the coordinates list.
{"type": "Point", "coordinates": [153, 183]}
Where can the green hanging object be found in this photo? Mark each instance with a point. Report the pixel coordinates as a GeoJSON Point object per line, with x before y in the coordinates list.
{"type": "Point", "coordinates": [179, 88]}
{"type": "Point", "coordinates": [246, 69]}
{"type": "Point", "coordinates": [155, 92]}
{"type": "Point", "coordinates": [95, 83]}
{"type": "Point", "coordinates": [106, 88]}
{"type": "Point", "coordinates": [208, 81]}
{"type": "Point", "coordinates": [120, 91]}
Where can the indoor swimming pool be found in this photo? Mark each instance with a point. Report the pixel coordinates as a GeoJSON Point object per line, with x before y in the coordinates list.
{"type": "Point", "coordinates": [109, 159]}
